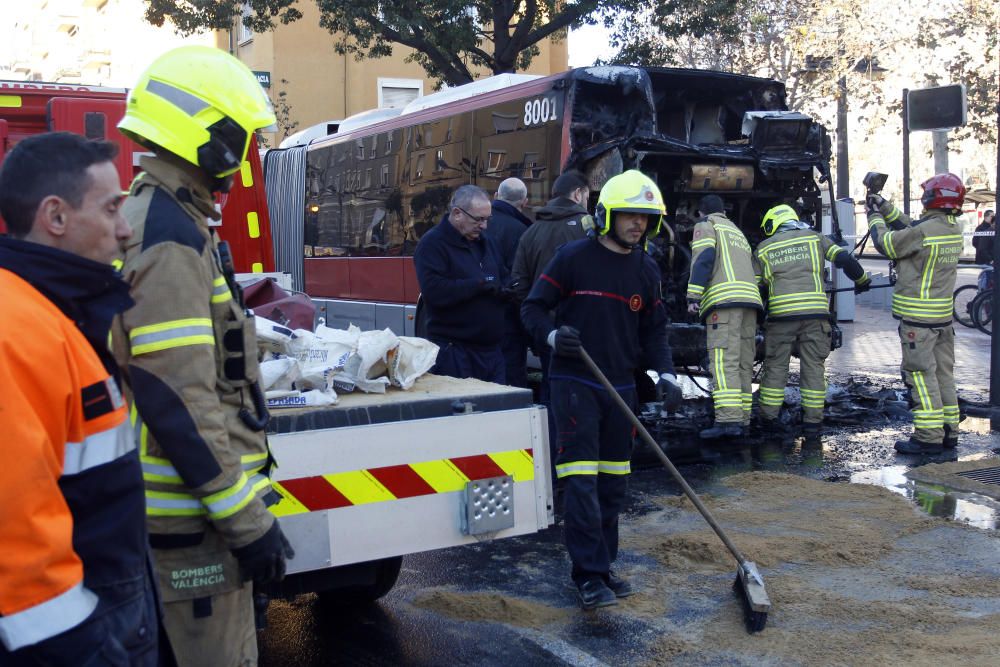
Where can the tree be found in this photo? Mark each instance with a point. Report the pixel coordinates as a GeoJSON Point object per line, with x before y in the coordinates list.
{"type": "Point", "coordinates": [451, 39]}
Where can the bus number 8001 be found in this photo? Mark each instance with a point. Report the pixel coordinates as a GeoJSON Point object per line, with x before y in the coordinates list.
{"type": "Point", "coordinates": [539, 111]}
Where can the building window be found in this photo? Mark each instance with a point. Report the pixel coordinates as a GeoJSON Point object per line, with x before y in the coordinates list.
{"type": "Point", "coordinates": [439, 163]}
{"type": "Point", "coordinates": [397, 93]}
{"type": "Point", "coordinates": [420, 166]}
{"type": "Point", "coordinates": [361, 149]}
{"type": "Point", "coordinates": [529, 165]}
{"type": "Point", "coordinates": [373, 152]}
{"type": "Point", "coordinates": [244, 34]}
{"type": "Point", "coordinates": [384, 175]}
{"type": "Point", "coordinates": [368, 178]}
{"type": "Point", "coordinates": [388, 143]}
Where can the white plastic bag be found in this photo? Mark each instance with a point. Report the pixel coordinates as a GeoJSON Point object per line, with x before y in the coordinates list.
{"type": "Point", "coordinates": [300, 399]}
{"type": "Point", "coordinates": [410, 359]}
{"type": "Point", "coordinates": [271, 336]}
{"type": "Point", "coordinates": [278, 373]}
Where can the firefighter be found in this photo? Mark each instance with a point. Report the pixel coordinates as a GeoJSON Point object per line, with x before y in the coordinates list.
{"type": "Point", "coordinates": [606, 295]}
{"type": "Point", "coordinates": [926, 252]}
{"type": "Point", "coordinates": [798, 315]}
{"type": "Point", "coordinates": [75, 586]}
{"type": "Point", "coordinates": [723, 292]}
{"type": "Point", "coordinates": [189, 356]}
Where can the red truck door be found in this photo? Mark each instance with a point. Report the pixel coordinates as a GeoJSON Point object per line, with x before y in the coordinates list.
{"type": "Point", "coordinates": [96, 119]}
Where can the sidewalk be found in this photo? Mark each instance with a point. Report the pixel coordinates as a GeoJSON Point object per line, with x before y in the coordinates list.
{"type": "Point", "coordinates": [871, 348]}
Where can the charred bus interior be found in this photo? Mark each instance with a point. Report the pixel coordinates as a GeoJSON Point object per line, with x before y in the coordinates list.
{"type": "Point", "coordinates": [698, 133]}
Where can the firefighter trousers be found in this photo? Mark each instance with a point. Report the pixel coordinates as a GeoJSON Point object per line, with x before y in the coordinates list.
{"type": "Point", "coordinates": [928, 370]}
{"type": "Point", "coordinates": [731, 340]}
{"type": "Point", "coordinates": [812, 339]}
{"type": "Point", "coordinates": [593, 464]}
{"type": "Point", "coordinates": [217, 630]}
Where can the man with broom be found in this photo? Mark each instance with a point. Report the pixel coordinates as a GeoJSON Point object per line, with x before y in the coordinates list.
{"type": "Point", "coordinates": [605, 292]}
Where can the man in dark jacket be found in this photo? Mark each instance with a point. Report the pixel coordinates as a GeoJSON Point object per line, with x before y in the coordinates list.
{"type": "Point", "coordinates": [461, 276]}
{"type": "Point", "coordinates": [562, 220]}
{"type": "Point", "coordinates": [507, 225]}
{"type": "Point", "coordinates": [984, 244]}
{"type": "Point", "coordinates": [75, 582]}
{"type": "Point", "coordinates": [606, 296]}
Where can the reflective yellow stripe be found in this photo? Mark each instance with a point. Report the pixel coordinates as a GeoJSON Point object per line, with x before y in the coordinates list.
{"type": "Point", "coordinates": [703, 243]}
{"type": "Point", "coordinates": [246, 174]}
{"type": "Point", "coordinates": [516, 463]}
{"type": "Point", "coordinates": [288, 504]}
{"type": "Point", "coordinates": [720, 374]}
{"type": "Point", "coordinates": [921, 386]}
{"type": "Point", "coordinates": [928, 278]}
{"type": "Point", "coordinates": [890, 252]}
{"type": "Point", "coordinates": [360, 487]}
{"type": "Point", "coordinates": [442, 476]}
{"type": "Point", "coordinates": [176, 333]}
{"type": "Point", "coordinates": [229, 501]}
{"type": "Point", "coordinates": [614, 467]}
{"type": "Point", "coordinates": [220, 290]}
{"type": "Point", "coordinates": [833, 252]}
{"type": "Point", "coordinates": [164, 503]}
{"type": "Point", "coordinates": [253, 225]}
{"type": "Point", "coordinates": [576, 468]}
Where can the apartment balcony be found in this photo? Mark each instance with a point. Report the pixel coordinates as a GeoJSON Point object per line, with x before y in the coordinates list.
{"type": "Point", "coordinates": [95, 58]}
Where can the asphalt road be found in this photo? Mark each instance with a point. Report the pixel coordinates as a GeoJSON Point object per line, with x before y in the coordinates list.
{"type": "Point", "coordinates": [402, 630]}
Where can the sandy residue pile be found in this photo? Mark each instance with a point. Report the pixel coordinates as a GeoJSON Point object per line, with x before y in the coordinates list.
{"type": "Point", "coordinates": [491, 607]}
{"type": "Point", "coordinates": [856, 575]}
{"type": "Point", "coordinates": [787, 519]}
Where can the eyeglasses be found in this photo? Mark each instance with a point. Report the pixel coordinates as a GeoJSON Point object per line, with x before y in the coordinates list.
{"type": "Point", "coordinates": [475, 218]}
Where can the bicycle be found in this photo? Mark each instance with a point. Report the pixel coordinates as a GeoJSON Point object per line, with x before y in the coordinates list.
{"type": "Point", "coordinates": [973, 305]}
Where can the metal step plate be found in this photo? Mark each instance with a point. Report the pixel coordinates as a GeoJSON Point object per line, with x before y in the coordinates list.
{"type": "Point", "coordinates": [489, 505]}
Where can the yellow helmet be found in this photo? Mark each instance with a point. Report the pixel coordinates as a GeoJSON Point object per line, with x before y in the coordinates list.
{"type": "Point", "coordinates": [777, 216]}
{"type": "Point", "coordinates": [201, 104]}
{"type": "Point", "coordinates": [629, 192]}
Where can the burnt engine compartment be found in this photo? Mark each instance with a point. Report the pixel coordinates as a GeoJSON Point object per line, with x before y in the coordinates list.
{"type": "Point", "coordinates": [698, 139]}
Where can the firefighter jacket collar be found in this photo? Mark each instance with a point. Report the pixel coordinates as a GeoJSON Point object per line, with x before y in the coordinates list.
{"type": "Point", "coordinates": [191, 192]}
{"type": "Point", "coordinates": [87, 292]}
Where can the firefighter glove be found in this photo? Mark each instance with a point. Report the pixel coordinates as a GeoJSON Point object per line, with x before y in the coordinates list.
{"type": "Point", "coordinates": [263, 560]}
{"type": "Point", "coordinates": [566, 341]}
{"type": "Point", "coordinates": [492, 288]}
{"type": "Point", "coordinates": [672, 394]}
{"type": "Point", "coordinates": [874, 201]}
{"type": "Point", "coordinates": [863, 284]}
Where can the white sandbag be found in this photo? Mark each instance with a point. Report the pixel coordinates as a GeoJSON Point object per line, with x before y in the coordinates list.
{"type": "Point", "coordinates": [316, 376]}
{"type": "Point", "coordinates": [325, 346]}
{"type": "Point", "coordinates": [271, 336]}
{"type": "Point", "coordinates": [297, 399]}
{"type": "Point", "coordinates": [410, 359]}
{"type": "Point", "coordinates": [369, 360]}
{"type": "Point", "coordinates": [278, 373]}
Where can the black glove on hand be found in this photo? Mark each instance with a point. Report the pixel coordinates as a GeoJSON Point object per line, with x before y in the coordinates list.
{"type": "Point", "coordinates": [874, 201]}
{"type": "Point", "coordinates": [568, 342]}
{"type": "Point", "coordinates": [492, 288]}
{"type": "Point", "coordinates": [263, 560]}
{"type": "Point", "coordinates": [671, 392]}
{"type": "Point", "coordinates": [863, 285]}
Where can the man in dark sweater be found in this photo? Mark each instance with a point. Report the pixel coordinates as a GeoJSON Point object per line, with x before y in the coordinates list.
{"type": "Point", "coordinates": [606, 296]}
{"type": "Point", "coordinates": [461, 276]}
{"type": "Point", "coordinates": [507, 225]}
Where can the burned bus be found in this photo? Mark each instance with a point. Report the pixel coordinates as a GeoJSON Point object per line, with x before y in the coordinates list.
{"type": "Point", "coordinates": [366, 194]}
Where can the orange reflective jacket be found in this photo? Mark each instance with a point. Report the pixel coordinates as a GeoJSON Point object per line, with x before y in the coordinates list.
{"type": "Point", "coordinates": [68, 452]}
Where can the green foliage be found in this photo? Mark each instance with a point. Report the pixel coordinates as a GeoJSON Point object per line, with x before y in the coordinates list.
{"type": "Point", "coordinates": [450, 38]}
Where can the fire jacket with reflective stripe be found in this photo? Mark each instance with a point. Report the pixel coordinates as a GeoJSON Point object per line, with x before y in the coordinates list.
{"type": "Point", "coordinates": [188, 354]}
{"type": "Point", "coordinates": [926, 254]}
{"type": "Point", "coordinates": [72, 522]}
{"type": "Point", "coordinates": [792, 268]}
{"type": "Point", "coordinates": [722, 271]}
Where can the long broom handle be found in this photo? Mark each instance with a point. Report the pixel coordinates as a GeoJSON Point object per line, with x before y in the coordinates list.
{"type": "Point", "coordinates": [663, 457]}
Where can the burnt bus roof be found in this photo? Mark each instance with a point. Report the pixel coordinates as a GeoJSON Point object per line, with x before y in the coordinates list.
{"type": "Point", "coordinates": [667, 82]}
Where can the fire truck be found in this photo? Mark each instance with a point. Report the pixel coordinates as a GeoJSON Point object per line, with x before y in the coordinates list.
{"type": "Point", "coordinates": [31, 107]}
{"type": "Point", "coordinates": [378, 476]}
{"type": "Point", "coordinates": [348, 210]}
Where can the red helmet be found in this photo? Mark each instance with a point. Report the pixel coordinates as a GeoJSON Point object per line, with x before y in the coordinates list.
{"type": "Point", "coordinates": [943, 191]}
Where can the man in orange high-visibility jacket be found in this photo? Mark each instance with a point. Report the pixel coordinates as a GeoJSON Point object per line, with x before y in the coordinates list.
{"type": "Point", "coordinates": [75, 583]}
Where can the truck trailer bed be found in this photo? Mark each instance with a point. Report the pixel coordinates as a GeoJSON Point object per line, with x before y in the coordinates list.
{"type": "Point", "coordinates": [377, 476]}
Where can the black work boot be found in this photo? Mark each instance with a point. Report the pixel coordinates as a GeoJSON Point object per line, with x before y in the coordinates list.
{"type": "Point", "coordinates": [620, 587]}
{"type": "Point", "coordinates": [595, 593]}
{"type": "Point", "coordinates": [771, 426]}
{"type": "Point", "coordinates": [810, 429]}
{"type": "Point", "coordinates": [722, 430]}
{"type": "Point", "coordinates": [914, 446]}
{"type": "Point", "coordinates": [950, 437]}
